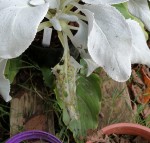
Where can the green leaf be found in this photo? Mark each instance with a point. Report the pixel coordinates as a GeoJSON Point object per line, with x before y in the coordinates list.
{"type": "Point", "coordinates": [48, 77]}
{"type": "Point", "coordinates": [12, 68]}
{"type": "Point", "coordinates": [88, 105]}
{"type": "Point", "coordinates": [123, 9]}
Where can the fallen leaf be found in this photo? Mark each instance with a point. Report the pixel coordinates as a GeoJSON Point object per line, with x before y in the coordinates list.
{"type": "Point", "coordinates": [137, 79]}
{"type": "Point", "coordinates": [146, 111]}
{"type": "Point", "coordinates": [137, 92]}
{"type": "Point", "coordinates": [145, 98]}
{"type": "Point", "coordinates": [146, 115]}
{"type": "Point", "coordinates": [139, 139]}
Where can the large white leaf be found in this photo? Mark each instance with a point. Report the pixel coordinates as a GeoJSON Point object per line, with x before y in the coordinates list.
{"type": "Point", "coordinates": [18, 26]}
{"type": "Point", "coordinates": [80, 38]}
{"type": "Point", "coordinates": [109, 40]}
{"type": "Point", "coordinates": [140, 9]}
{"type": "Point", "coordinates": [4, 83]}
{"type": "Point", "coordinates": [53, 4]}
{"type": "Point", "coordinates": [36, 2]}
{"type": "Point", "coordinates": [80, 42]}
{"type": "Point", "coordinates": [140, 51]}
{"type": "Point", "coordinates": [104, 1]}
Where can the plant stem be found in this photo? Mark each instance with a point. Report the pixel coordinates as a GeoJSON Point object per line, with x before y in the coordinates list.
{"type": "Point", "coordinates": [43, 25]}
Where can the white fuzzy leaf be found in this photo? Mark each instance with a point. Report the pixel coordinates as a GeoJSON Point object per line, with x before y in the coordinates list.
{"type": "Point", "coordinates": [4, 83]}
{"type": "Point", "coordinates": [140, 9]}
{"type": "Point", "coordinates": [91, 65]}
{"type": "Point", "coordinates": [56, 24]}
{"type": "Point", "coordinates": [53, 4]}
{"type": "Point", "coordinates": [80, 42]}
{"type": "Point", "coordinates": [80, 38]}
{"type": "Point", "coordinates": [140, 51]}
{"type": "Point", "coordinates": [104, 1]}
{"type": "Point", "coordinates": [18, 26]}
{"type": "Point", "coordinates": [36, 2]}
{"type": "Point", "coordinates": [109, 40]}
{"type": "Point", "coordinates": [47, 34]}
{"type": "Point", "coordinates": [75, 64]}
{"type": "Point", "coordinates": [68, 17]}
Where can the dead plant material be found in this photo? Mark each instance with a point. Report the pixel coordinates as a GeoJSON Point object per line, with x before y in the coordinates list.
{"type": "Point", "coordinates": [101, 138]}
{"type": "Point", "coordinates": [146, 78]}
{"type": "Point", "coordinates": [140, 84]}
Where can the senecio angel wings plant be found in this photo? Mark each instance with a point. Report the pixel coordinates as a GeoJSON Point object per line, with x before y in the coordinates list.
{"type": "Point", "coordinates": [109, 34]}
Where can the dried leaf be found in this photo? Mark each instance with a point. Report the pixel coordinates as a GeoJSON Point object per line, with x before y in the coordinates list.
{"type": "Point", "coordinates": [146, 93]}
{"type": "Point", "coordinates": [139, 139]}
{"type": "Point", "coordinates": [137, 79]}
{"type": "Point", "coordinates": [146, 112]}
{"type": "Point", "coordinates": [137, 92]}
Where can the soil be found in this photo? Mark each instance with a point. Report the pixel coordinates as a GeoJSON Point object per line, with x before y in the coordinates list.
{"type": "Point", "coordinates": [127, 139]}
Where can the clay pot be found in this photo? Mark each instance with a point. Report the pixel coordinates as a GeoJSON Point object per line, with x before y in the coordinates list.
{"type": "Point", "coordinates": [128, 129]}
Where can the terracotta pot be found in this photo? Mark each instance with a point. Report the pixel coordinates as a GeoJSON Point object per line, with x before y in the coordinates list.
{"type": "Point", "coordinates": [128, 129]}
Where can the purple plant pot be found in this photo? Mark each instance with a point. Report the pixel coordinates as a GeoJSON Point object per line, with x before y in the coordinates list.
{"type": "Point", "coordinates": [34, 134]}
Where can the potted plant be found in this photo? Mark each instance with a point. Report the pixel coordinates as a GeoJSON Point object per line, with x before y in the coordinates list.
{"type": "Point", "coordinates": [104, 33]}
{"type": "Point", "coordinates": [125, 129]}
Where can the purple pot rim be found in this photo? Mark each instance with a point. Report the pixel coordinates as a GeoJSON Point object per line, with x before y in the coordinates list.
{"type": "Point", "coordinates": [33, 134]}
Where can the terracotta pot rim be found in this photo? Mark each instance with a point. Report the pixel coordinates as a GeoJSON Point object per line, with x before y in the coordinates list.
{"type": "Point", "coordinates": [127, 128]}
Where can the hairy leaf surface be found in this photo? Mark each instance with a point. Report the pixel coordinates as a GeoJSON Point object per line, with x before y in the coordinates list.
{"type": "Point", "coordinates": [18, 26]}
{"type": "Point", "coordinates": [4, 83]}
{"type": "Point", "coordinates": [140, 9]}
{"type": "Point", "coordinates": [109, 40]}
{"type": "Point", "coordinates": [140, 51]}
{"type": "Point", "coordinates": [104, 1]}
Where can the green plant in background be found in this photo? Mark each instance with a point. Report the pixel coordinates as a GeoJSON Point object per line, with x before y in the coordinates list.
{"type": "Point", "coordinates": [140, 115]}
{"type": "Point", "coordinates": [106, 35]}
{"type": "Point", "coordinates": [4, 113]}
